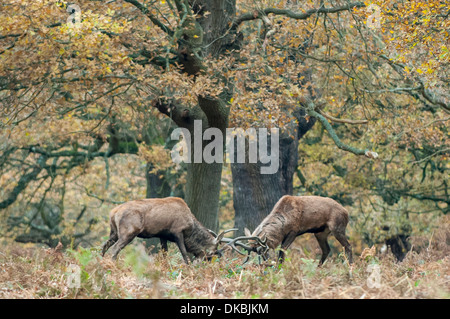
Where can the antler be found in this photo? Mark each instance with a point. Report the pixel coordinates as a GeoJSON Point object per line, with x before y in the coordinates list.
{"type": "Point", "coordinates": [261, 251]}
{"type": "Point", "coordinates": [219, 238]}
{"type": "Point", "coordinates": [236, 241]}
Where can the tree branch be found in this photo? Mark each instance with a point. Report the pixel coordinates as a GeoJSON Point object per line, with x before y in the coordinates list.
{"type": "Point", "coordinates": [433, 100]}
{"type": "Point", "coordinates": [335, 119]}
{"type": "Point", "coordinates": [88, 155]}
{"type": "Point", "coordinates": [147, 12]}
{"type": "Point", "coordinates": [291, 14]}
{"type": "Point", "coordinates": [24, 180]}
{"type": "Point", "coordinates": [445, 150]}
{"type": "Point", "coordinates": [399, 68]}
{"type": "Point", "coordinates": [173, 109]}
{"type": "Point", "coordinates": [310, 108]}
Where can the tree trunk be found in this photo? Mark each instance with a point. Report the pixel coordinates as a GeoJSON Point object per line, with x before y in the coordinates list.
{"type": "Point", "coordinates": [202, 192]}
{"type": "Point", "coordinates": [255, 194]}
{"type": "Point", "coordinates": [157, 185]}
{"type": "Point", "coordinates": [203, 179]}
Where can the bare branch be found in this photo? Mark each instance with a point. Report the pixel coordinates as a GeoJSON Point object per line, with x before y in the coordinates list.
{"type": "Point", "coordinates": [310, 108]}
{"type": "Point", "coordinates": [24, 180]}
{"type": "Point", "coordinates": [430, 97]}
{"type": "Point", "coordinates": [433, 99]}
{"type": "Point", "coordinates": [291, 14]}
{"type": "Point", "coordinates": [147, 12]}
{"type": "Point", "coordinates": [334, 119]}
{"type": "Point", "coordinates": [445, 150]}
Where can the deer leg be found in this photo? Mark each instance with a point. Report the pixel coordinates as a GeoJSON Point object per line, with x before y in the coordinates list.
{"type": "Point", "coordinates": [124, 239]}
{"type": "Point", "coordinates": [109, 243]}
{"type": "Point", "coordinates": [287, 241]}
{"type": "Point", "coordinates": [340, 236]}
{"type": "Point", "coordinates": [163, 244]}
{"type": "Point", "coordinates": [118, 246]}
{"type": "Point", "coordinates": [179, 240]}
{"type": "Point", "coordinates": [323, 243]}
{"type": "Point", "coordinates": [112, 239]}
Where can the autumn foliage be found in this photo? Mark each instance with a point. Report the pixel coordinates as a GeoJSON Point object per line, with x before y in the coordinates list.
{"type": "Point", "coordinates": [90, 92]}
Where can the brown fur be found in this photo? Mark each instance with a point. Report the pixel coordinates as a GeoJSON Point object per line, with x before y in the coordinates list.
{"type": "Point", "coordinates": [169, 218]}
{"type": "Point", "coordinates": [293, 216]}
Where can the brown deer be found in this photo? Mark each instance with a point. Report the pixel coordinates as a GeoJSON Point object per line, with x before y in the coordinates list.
{"type": "Point", "coordinates": [170, 219]}
{"type": "Point", "coordinates": [293, 216]}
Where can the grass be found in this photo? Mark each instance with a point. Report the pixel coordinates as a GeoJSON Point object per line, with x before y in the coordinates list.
{"type": "Point", "coordinates": [35, 272]}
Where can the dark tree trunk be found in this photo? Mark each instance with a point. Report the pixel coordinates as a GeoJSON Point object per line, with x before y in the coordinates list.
{"type": "Point", "coordinates": [203, 179]}
{"type": "Point", "coordinates": [202, 192]}
{"type": "Point", "coordinates": [255, 194]}
{"type": "Point", "coordinates": [157, 184]}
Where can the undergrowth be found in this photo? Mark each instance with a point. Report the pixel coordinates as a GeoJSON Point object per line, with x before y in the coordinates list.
{"type": "Point", "coordinates": [36, 272]}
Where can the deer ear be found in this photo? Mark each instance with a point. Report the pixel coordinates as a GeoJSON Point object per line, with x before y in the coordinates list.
{"type": "Point", "coordinates": [247, 232]}
{"type": "Point", "coordinates": [211, 232]}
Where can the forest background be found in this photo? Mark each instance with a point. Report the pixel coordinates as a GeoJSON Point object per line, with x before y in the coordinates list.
{"type": "Point", "coordinates": [90, 92]}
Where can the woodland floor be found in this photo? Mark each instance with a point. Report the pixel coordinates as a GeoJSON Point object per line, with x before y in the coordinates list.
{"type": "Point", "coordinates": [34, 272]}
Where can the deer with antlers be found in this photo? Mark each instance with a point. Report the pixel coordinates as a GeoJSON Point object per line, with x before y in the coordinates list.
{"type": "Point", "coordinates": [170, 219]}
{"type": "Point", "coordinates": [293, 216]}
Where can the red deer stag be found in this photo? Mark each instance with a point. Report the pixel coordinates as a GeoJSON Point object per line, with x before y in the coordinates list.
{"type": "Point", "coordinates": [170, 219]}
{"type": "Point", "coordinates": [293, 216]}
